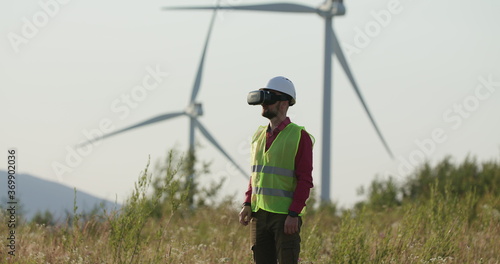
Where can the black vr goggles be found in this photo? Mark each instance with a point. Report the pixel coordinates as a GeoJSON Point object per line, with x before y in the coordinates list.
{"type": "Point", "coordinates": [261, 97]}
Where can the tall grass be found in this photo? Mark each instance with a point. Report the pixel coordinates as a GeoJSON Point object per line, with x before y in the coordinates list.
{"type": "Point", "coordinates": [441, 226]}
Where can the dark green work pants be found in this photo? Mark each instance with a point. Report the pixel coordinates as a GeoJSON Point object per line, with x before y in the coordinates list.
{"type": "Point", "coordinates": [270, 243]}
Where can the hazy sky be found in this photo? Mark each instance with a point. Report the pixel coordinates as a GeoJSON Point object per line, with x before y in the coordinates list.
{"type": "Point", "coordinates": [429, 71]}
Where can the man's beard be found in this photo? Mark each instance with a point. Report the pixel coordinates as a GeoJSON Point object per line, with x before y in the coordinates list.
{"type": "Point", "coordinates": [269, 114]}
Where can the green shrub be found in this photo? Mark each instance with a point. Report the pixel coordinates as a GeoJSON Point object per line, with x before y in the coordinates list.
{"type": "Point", "coordinates": [457, 179]}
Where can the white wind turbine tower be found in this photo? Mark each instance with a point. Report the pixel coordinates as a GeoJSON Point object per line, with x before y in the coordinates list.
{"type": "Point", "coordinates": [327, 11]}
{"type": "Point", "coordinates": [193, 111]}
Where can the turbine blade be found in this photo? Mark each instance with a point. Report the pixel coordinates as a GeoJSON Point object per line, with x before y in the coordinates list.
{"type": "Point", "coordinates": [212, 140]}
{"type": "Point", "coordinates": [197, 82]}
{"type": "Point", "coordinates": [278, 7]}
{"type": "Point", "coordinates": [340, 56]}
{"type": "Point", "coordinates": [144, 123]}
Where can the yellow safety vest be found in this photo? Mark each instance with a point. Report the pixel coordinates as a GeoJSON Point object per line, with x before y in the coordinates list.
{"type": "Point", "coordinates": [273, 171]}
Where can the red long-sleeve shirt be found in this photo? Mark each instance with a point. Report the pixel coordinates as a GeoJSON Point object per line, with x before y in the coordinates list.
{"type": "Point", "coordinates": [303, 167]}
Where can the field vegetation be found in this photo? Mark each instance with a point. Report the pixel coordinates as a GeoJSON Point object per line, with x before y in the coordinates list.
{"type": "Point", "coordinates": [443, 213]}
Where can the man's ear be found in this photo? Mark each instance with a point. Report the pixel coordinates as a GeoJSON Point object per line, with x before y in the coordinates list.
{"type": "Point", "coordinates": [284, 106]}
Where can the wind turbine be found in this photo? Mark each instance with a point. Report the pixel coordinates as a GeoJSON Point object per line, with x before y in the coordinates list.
{"type": "Point", "coordinates": [327, 11]}
{"type": "Point", "coordinates": [192, 111]}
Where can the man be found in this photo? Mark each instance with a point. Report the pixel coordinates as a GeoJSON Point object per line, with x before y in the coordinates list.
{"type": "Point", "coordinates": [281, 177]}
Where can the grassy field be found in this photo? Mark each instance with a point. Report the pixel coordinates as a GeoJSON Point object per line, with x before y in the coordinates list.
{"type": "Point", "coordinates": [445, 225]}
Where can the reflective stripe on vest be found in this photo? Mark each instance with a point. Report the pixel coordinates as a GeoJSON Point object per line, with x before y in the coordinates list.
{"type": "Point", "coordinates": [272, 192]}
{"type": "Point", "coordinates": [273, 170]}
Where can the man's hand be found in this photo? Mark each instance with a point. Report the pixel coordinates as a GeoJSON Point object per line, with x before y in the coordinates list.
{"type": "Point", "coordinates": [291, 225]}
{"type": "Point", "coordinates": [245, 215]}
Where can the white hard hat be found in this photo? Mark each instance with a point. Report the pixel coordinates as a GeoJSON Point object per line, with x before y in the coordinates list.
{"type": "Point", "coordinates": [282, 85]}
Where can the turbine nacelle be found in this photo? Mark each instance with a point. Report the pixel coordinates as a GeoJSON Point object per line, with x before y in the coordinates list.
{"type": "Point", "coordinates": [332, 8]}
{"type": "Point", "coordinates": [194, 110]}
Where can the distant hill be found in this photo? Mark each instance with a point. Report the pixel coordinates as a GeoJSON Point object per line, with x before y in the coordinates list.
{"type": "Point", "coordinates": [37, 194]}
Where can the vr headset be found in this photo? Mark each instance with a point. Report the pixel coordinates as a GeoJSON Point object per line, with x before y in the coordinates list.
{"type": "Point", "coordinates": [261, 97]}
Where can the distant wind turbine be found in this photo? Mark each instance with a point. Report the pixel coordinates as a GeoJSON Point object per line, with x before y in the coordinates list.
{"type": "Point", "coordinates": [327, 11]}
{"type": "Point", "coordinates": [193, 111]}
